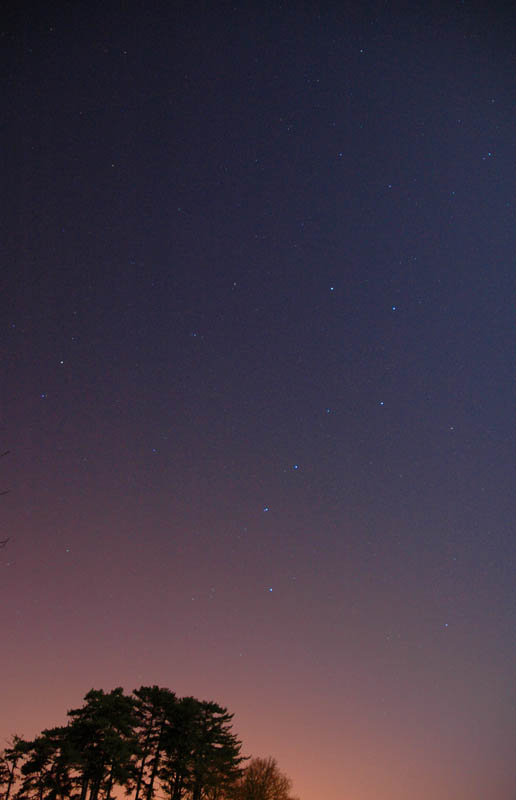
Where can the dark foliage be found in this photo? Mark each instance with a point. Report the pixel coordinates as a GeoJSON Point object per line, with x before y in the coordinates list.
{"type": "Point", "coordinates": [141, 743]}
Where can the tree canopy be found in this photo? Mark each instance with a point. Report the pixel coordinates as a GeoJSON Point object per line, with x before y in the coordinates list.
{"type": "Point", "coordinates": [149, 743]}
{"type": "Point", "coordinates": [262, 780]}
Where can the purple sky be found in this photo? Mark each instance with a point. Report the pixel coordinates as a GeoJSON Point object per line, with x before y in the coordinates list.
{"type": "Point", "coordinates": [258, 379]}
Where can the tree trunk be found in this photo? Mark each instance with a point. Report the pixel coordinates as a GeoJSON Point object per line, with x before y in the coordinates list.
{"type": "Point", "coordinates": [178, 787]}
{"type": "Point", "coordinates": [95, 788]}
{"type": "Point", "coordinates": [11, 780]}
{"type": "Point", "coordinates": [140, 778]}
{"type": "Point", "coordinates": [155, 766]}
{"type": "Point", "coordinates": [197, 790]}
{"type": "Point", "coordinates": [109, 784]}
{"type": "Point", "coordinates": [144, 760]}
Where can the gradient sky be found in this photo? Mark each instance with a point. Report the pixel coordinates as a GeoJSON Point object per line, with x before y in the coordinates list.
{"type": "Point", "coordinates": [258, 349]}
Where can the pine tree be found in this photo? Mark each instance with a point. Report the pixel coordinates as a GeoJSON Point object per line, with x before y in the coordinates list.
{"type": "Point", "coordinates": [202, 755]}
{"type": "Point", "coordinates": [154, 710]}
{"type": "Point", "coordinates": [102, 738]}
{"type": "Point", "coordinates": [9, 765]}
{"type": "Point", "coordinates": [46, 773]}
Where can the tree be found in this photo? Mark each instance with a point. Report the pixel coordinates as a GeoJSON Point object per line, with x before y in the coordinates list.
{"type": "Point", "coordinates": [154, 711]}
{"type": "Point", "coordinates": [46, 771]}
{"type": "Point", "coordinates": [145, 742]}
{"type": "Point", "coordinates": [179, 745]}
{"type": "Point", "coordinates": [9, 761]}
{"type": "Point", "coordinates": [202, 755]}
{"type": "Point", "coordinates": [217, 759]}
{"type": "Point", "coordinates": [102, 742]}
{"type": "Point", "coordinates": [263, 780]}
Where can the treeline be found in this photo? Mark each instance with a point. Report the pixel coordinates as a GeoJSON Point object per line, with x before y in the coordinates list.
{"type": "Point", "coordinates": [148, 744]}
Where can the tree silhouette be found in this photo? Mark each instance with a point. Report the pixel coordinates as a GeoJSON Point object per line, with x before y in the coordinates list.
{"type": "Point", "coordinates": [101, 735]}
{"type": "Point", "coordinates": [46, 771]}
{"type": "Point", "coordinates": [263, 780]}
{"type": "Point", "coordinates": [145, 743]}
{"type": "Point", "coordinates": [155, 712]}
{"type": "Point", "coordinates": [215, 759]}
{"type": "Point", "coordinates": [9, 760]}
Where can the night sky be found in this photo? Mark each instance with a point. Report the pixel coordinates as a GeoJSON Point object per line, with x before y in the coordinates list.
{"type": "Point", "coordinates": [258, 378]}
